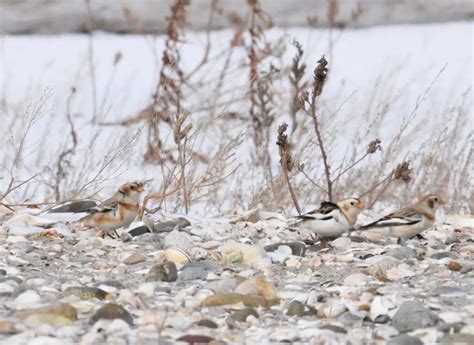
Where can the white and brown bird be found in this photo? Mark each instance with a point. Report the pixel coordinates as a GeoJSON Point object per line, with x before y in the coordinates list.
{"type": "Point", "coordinates": [409, 221]}
{"type": "Point", "coordinates": [118, 211]}
{"type": "Point", "coordinates": [330, 219]}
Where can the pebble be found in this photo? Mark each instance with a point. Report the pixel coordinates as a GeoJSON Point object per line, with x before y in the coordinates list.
{"type": "Point", "coordinates": [234, 298]}
{"type": "Point", "coordinates": [242, 314]}
{"type": "Point", "coordinates": [380, 265]}
{"type": "Point", "coordinates": [7, 289]}
{"type": "Point", "coordinates": [196, 339]}
{"type": "Point", "coordinates": [451, 317]}
{"type": "Point", "coordinates": [165, 271]}
{"type": "Point", "coordinates": [242, 253]}
{"type": "Point", "coordinates": [132, 258]}
{"type": "Point", "coordinates": [401, 253]}
{"type": "Point", "coordinates": [399, 272]}
{"type": "Point", "coordinates": [258, 287]}
{"type": "Point", "coordinates": [295, 308]}
{"type": "Point", "coordinates": [175, 255]}
{"type": "Point", "coordinates": [64, 310]}
{"type": "Point", "coordinates": [454, 266]}
{"type": "Point", "coordinates": [404, 339]}
{"type": "Point", "coordinates": [86, 292]}
{"type": "Point", "coordinates": [459, 338]}
{"type": "Point", "coordinates": [358, 279]}
{"type": "Point", "coordinates": [27, 299]}
{"type": "Point", "coordinates": [341, 242]}
{"type": "Point", "coordinates": [192, 272]}
{"type": "Point", "coordinates": [179, 223]}
{"type": "Point", "coordinates": [412, 315]}
{"type": "Point", "coordinates": [112, 311]}
{"type": "Point", "coordinates": [207, 323]}
{"type": "Point", "coordinates": [36, 320]}
{"type": "Point", "coordinates": [177, 239]}
{"type": "Point", "coordinates": [7, 327]}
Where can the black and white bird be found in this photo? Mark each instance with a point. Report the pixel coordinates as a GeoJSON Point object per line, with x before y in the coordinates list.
{"type": "Point", "coordinates": [330, 219]}
{"type": "Point", "coordinates": [409, 221]}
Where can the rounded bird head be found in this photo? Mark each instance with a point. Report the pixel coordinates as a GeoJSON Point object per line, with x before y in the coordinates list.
{"type": "Point", "coordinates": [351, 208]}
{"type": "Point", "coordinates": [130, 192]}
{"type": "Point", "coordinates": [431, 202]}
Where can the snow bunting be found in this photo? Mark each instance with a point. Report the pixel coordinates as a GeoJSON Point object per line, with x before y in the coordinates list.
{"type": "Point", "coordinates": [410, 221]}
{"type": "Point", "coordinates": [331, 219]}
{"type": "Point", "coordinates": [116, 212]}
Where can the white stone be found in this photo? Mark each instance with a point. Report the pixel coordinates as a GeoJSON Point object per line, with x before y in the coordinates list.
{"type": "Point", "coordinates": [16, 239]}
{"type": "Point", "coordinates": [381, 305]}
{"type": "Point", "coordinates": [147, 289]}
{"type": "Point", "coordinates": [341, 242]}
{"type": "Point", "coordinates": [6, 288]}
{"type": "Point", "coordinates": [402, 271]}
{"type": "Point", "coordinates": [451, 317]}
{"type": "Point", "coordinates": [285, 334]}
{"type": "Point", "coordinates": [358, 279]}
{"type": "Point", "coordinates": [27, 299]}
{"type": "Point", "coordinates": [293, 262]}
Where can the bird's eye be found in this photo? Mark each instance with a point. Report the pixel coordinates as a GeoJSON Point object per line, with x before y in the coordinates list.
{"type": "Point", "coordinates": [436, 199]}
{"type": "Point", "coordinates": [132, 187]}
{"type": "Point", "coordinates": [352, 203]}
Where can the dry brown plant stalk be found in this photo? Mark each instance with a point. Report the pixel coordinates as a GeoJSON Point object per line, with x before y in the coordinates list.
{"type": "Point", "coordinates": [64, 162]}
{"type": "Point", "coordinates": [298, 85]}
{"type": "Point", "coordinates": [153, 196]}
{"type": "Point", "coordinates": [180, 135]}
{"type": "Point", "coordinates": [319, 78]}
{"type": "Point", "coordinates": [286, 161]}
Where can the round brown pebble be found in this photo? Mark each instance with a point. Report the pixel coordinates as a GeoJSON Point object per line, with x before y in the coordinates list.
{"type": "Point", "coordinates": [454, 266]}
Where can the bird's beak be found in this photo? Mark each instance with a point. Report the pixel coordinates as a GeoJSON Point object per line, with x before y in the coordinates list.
{"type": "Point", "coordinates": [360, 205]}
{"type": "Point", "coordinates": [140, 189]}
{"type": "Point", "coordinates": [441, 201]}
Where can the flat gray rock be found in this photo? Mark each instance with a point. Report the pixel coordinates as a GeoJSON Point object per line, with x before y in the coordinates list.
{"type": "Point", "coordinates": [405, 340]}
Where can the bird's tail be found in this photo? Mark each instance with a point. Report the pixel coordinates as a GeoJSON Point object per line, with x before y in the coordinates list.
{"type": "Point", "coordinates": [364, 227]}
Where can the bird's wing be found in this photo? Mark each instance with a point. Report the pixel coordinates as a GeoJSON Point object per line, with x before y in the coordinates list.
{"type": "Point", "coordinates": [324, 212]}
{"type": "Point", "coordinates": [325, 208]}
{"type": "Point", "coordinates": [403, 217]}
{"type": "Point", "coordinates": [109, 205]}
{"type": "Point", "coordinates": [76, 206]}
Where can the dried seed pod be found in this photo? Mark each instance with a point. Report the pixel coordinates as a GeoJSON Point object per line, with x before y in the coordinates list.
{"type": "Point", "coordinates": [403, 172]}
{"type": "Point", "coordinates": [374, 146]}
{"type": "Point", "coordinates": [320, 74]}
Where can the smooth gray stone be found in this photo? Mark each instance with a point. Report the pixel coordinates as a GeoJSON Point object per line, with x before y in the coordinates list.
{"type": "Point", "coordinates": [401, 253]}
{"type": "Point", "coordinates": [405, 340]}
{"type": "Point", "coordinates": [448, 291]}
{"type": "Point", "coordinates": [192, 271]}
{"type": "Point", "coordinates": [170, 225]}
{"type": "Point", "coordinates": [412, 315]}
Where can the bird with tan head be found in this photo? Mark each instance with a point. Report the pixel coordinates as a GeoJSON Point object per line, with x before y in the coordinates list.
{"type": "Point", "coordinates": [118, 211]}
{"type": "Point", "coordinates": [409, 221]}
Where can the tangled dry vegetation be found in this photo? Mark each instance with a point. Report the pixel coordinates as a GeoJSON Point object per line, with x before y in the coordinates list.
{"type": "Point", "coordinates": [256, 158]}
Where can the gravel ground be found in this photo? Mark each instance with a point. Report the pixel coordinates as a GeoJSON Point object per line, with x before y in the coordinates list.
{"type": "Point", "coordinates": [216, 281]}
